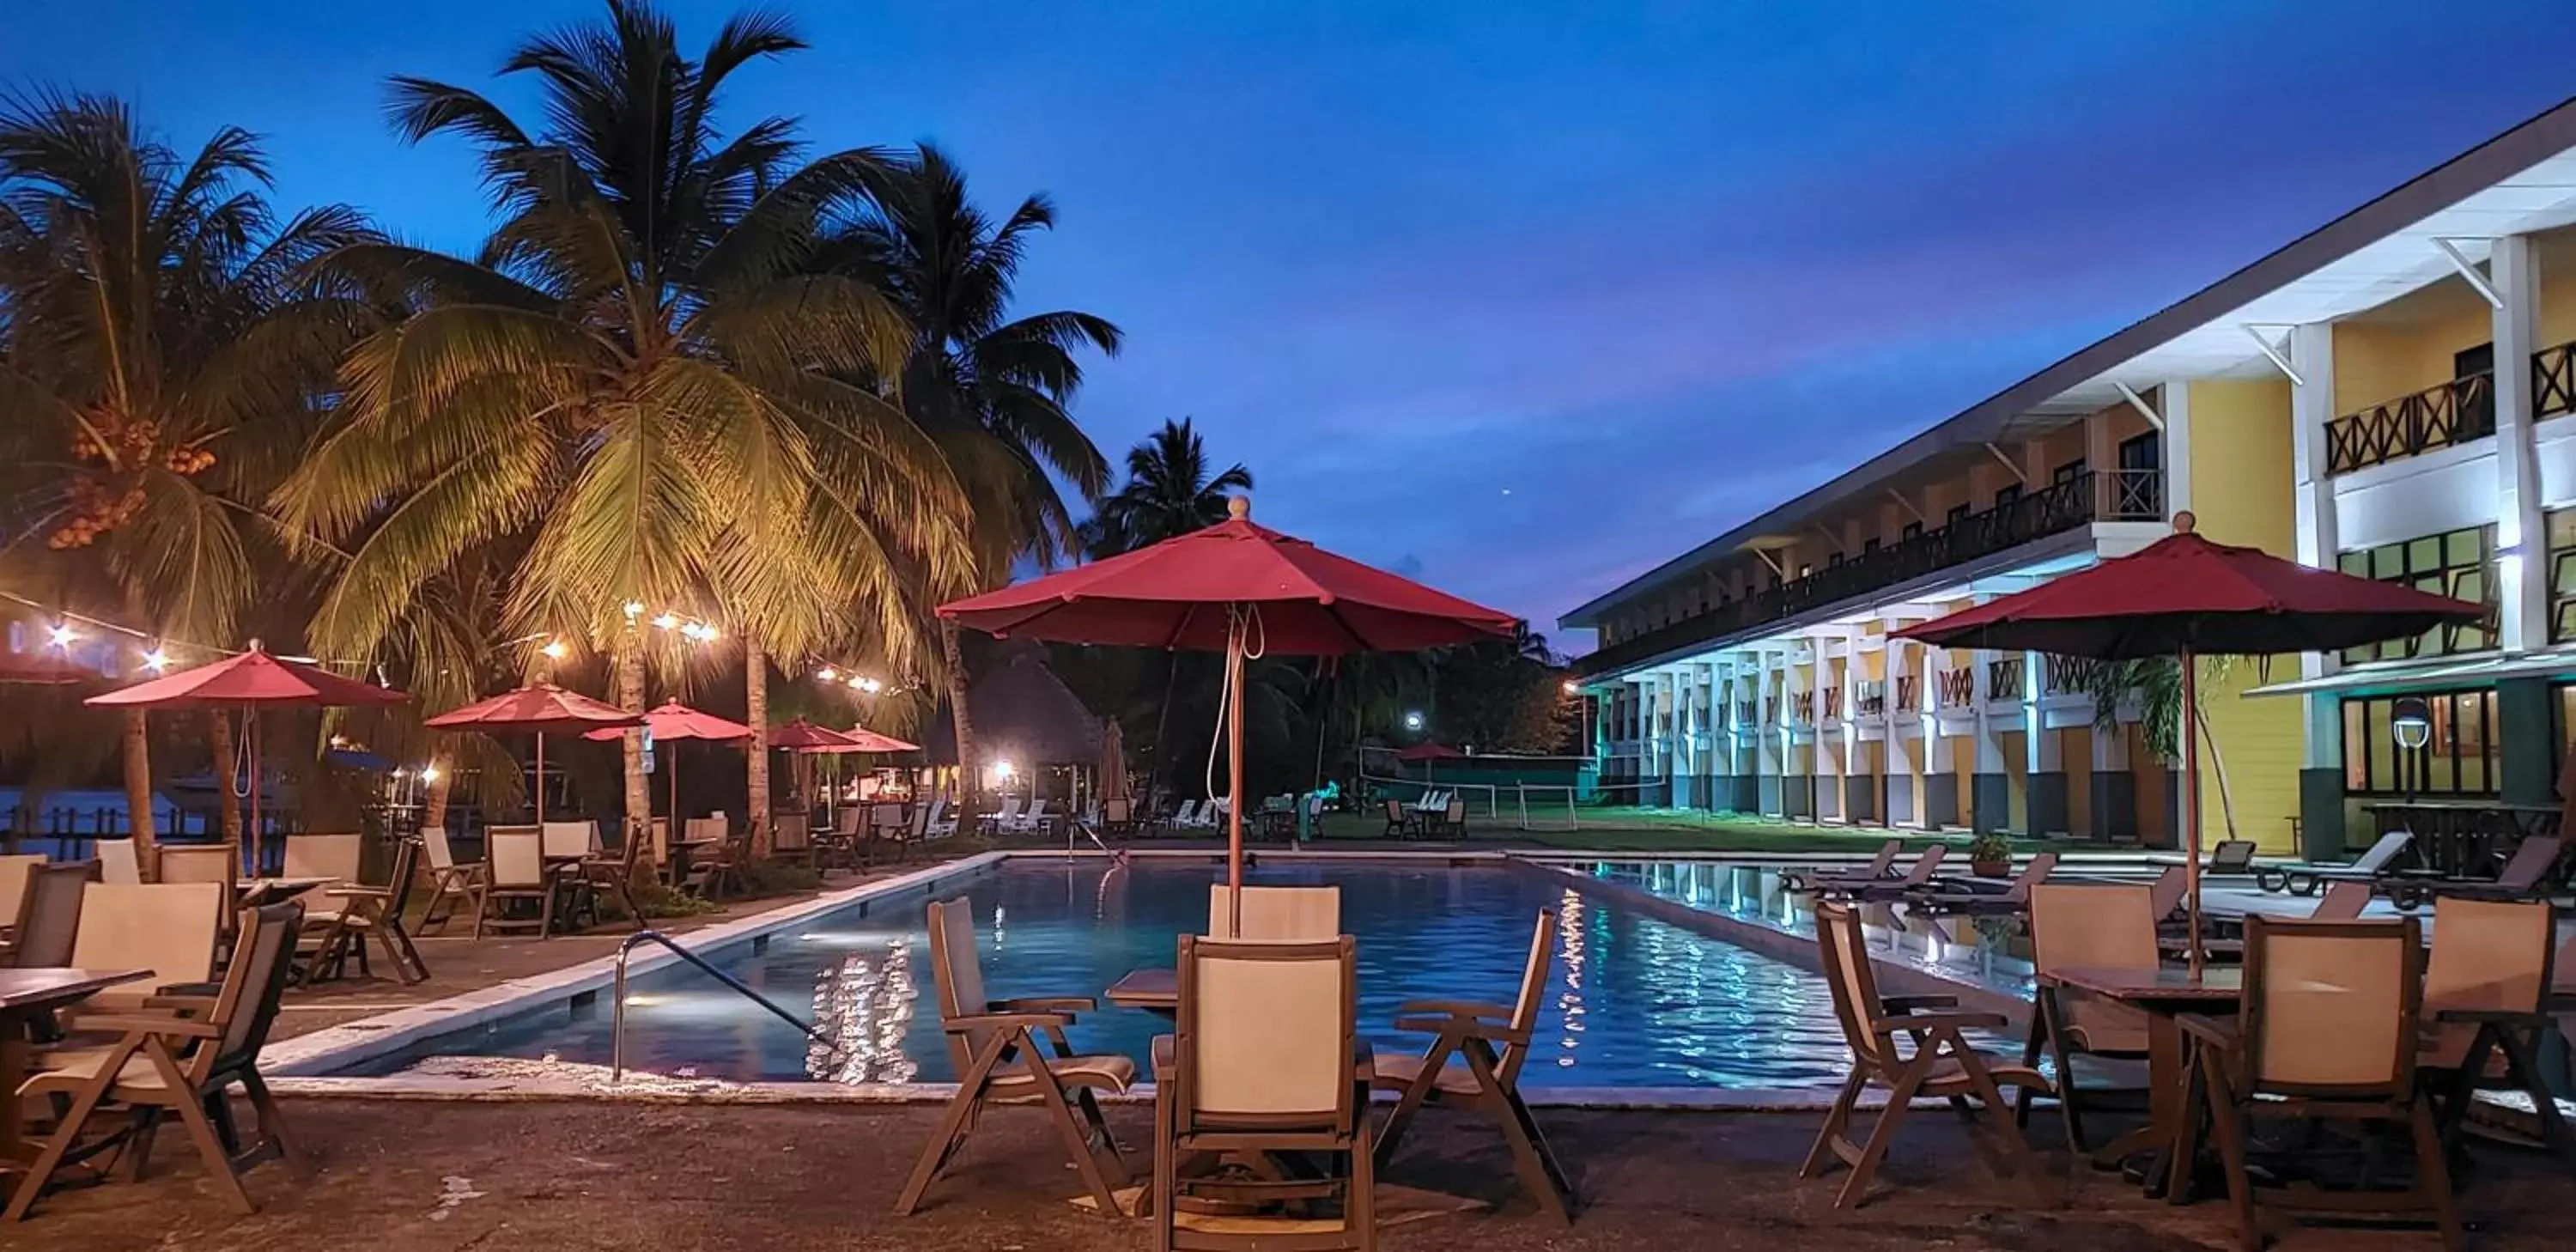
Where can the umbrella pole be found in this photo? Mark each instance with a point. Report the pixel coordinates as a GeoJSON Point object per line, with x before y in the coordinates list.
{"type": "Point", "coordinates": [2191, 801]}
{"type": "Point", "coordinates": [1234, 779]}
{"type": "Point", "coordinates": [250, 720]}
{"type": "Point", "coordinates": [541, 778]}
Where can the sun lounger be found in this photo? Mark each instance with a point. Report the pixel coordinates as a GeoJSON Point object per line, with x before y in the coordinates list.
{"type": "Point", "coordinates": [1939, 1065]}
{"type": "Point", "coordinates": [1475, 1061]}
{"type": "Point", "coordinates": [1916, 877]}
{"type": "Point", "coordinates": [1954, 899]}
{"type": "Point", "coordinates": [178, 1061]}
{"type": "Point", "coordinates": [1265, 1057]}
{"type": "Point", "coordinates": [994, 1047]}
{"type": "Point", "coordinates": [1878, 868]}
{"type": "Point", "coordinates": [2532, 874]}
{"type": "Point", "coordinates": [2378, 862]}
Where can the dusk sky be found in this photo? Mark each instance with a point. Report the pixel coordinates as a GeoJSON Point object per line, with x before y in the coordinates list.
{"type": "Point", "coordinates": [1519, 299]}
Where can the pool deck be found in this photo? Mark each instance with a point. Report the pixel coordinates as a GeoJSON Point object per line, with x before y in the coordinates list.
{"type": "Point", "coordinates": [575, 1177]}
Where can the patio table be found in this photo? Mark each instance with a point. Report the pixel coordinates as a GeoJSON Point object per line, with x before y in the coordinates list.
{"type": "Point", "coordinates": [2163, 994]}
{"type": "Point", "coordinates": [255, 893]}
{"type": "Point", "coordinates": [26, 997]}
{"type": "Point", "coordinates": [1156, 991]}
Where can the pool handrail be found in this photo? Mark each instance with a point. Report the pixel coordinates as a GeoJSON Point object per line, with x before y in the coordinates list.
{"type": "Point", "coordinates": [617, 1009]}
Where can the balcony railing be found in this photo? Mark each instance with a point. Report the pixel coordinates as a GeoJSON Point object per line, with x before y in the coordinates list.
{"type": "Point", "coordinates": [2553, 381]}
{"type": "Point", "coordinates": [1958, 686]}
{"type": "Point", "coordinates": [1869, 699]}
{"type": "Point", "coordinates": [1909, 693]}
{"type": "Point", "coordinates": [1802, 707]}
{"type": "Point", "coordinates": [2004, 678]}
{"type": "Point", "coordinates": [2092, 496]}
{"type": "Point", "coordinates": [1833, 703]}
{"type": "Point", "coordinates": [1744, 711]}
{"type": "Point", "coordinates": [2437, 417]}
{"type": "Point", "coordinates": [2068, 674]}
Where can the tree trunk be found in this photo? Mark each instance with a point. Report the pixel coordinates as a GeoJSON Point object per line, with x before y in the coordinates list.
{"type": "Point", "coordinates": [1163, 721]}
{"type": "Point", "coordinates": [970, 783]}
{"type": "Point", "coordinates": [630, 697]}
{"type": "Point", "coordinates": [219, 736]}
{"type": "Point", "coordinates": [433, 805]}
{"type": "Point", "coordinates": [138, 793]}
{"type": "Point", "coordinates": [755, 686]}
{"type": "Point", "coordinates": [2218, 766]}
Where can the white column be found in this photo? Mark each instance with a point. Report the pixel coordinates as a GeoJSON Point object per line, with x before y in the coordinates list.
{"type": "Point", "coordinates": [2312, 409]}
{"type": "Point", "coordinates": [2521, 573]}
{"type": "Point", "coordinates": [2174, 397]}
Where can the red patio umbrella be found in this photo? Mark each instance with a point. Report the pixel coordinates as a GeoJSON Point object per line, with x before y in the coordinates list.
{"type": "Point", "coordinates": [804, 736]}
{"type": "Point", "coordinates": [674, 720]}
{"type": "Point", "coordinates": [1241, 589]}
{"type": "Point", "coordinates": [2183, 596]}
{"type": "Point", "coordinates": [542, 708]}
{"type": "Point", "coordinates": [863, 739]}
{"type": "Point", "coordinates": [248, 682]}
{"type": "Point", "coordinates": [1430, 752]}
{"type": "Point", "coordinates": [42, 670]}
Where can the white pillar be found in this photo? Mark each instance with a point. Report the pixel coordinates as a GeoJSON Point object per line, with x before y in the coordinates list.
{"type": "Point", "coordinates": [2521, 573]}
{"type": "Point", "coordinates": [2174, 397]}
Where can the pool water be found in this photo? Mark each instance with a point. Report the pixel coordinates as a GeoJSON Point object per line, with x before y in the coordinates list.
{"type": "Point", "coordinates": [1630, 1002]}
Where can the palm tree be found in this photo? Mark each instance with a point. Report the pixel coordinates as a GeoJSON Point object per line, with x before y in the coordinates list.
{"type": "Point", "coordinates": [2155, 684]}
{"type": "Point", "coordinates": [991, 389]}
{"type": "Point", "coordinates": [644, 373]}
{"type": "Point", "coordinates": [1169, 493]}
{"type": "Point", "coordinates": [161, 356]}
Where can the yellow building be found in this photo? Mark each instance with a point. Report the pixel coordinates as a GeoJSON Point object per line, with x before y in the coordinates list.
{"type": "Point", "coordinates": [2339, 401]}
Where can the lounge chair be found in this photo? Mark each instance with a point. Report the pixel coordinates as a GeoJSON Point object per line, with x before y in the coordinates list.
{"type": "Point", "coordinates": [2485, 986]}
{"type": "Point", "coordinates": [1185, 816]}
{"type": "Point", "coordinates": [1033, 820]}
{"type": "Point", "coordinates": [1475, 1060]}
{"type": "Point", "coordinates": [452, 884]}
{"type": "Point", "coordinates": [356, 913]}
{"type": "Point", "coordinates": [178, 1060]}
{"type": "Point", "coordinates": [1005, 817]}
{"type": "Point", "coordinates": [994, 1047]}
{"type": "Point", "coordinates": [2380, 861]}
{"type": "Point", "coordinates": [1916, 877]}
{"type": "Point", "coordinates": [941, 823]}
{"type": "Point", "coordinates": [516, 871]}
{"type": "Point", "coordinates": [1948, 900]}
{"type": "Point", "coordinates": [1878, 868]}
{"type": "Point", "coordinates": [1940, 1066]}
{"type": "Point", "coordinates": [1278, 914]}
{"type": "Point", "coordinates": [118, 863]}
{"type": "Point", "coordinates": [2232, 857]}
{"type": "Point", "coordinates": [2532, 874]}
{"type": "Point", "coordinates": [1265, 1057]}
{"type": "Point", "coordinates": [2077, 926]}
{"type": "Point", "coordinates": [2328, 1030]}
{"type": "Point", "coordinates": [49, 918]}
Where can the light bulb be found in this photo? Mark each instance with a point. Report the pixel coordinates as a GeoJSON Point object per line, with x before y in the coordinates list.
{"type": "Point", "coordinates": [156, 660]}
{"type": "Point", "coordinates": [554, 649]}
{"type": "Point", "coordinates": [634, 610]}
{"type": "Point", "coordinates": [429, 773]}
{"type": "Point", "coordinates": [824, 673]}
{"type": "Point", "coordinates": [63, 634]}
{"type": "Point", "coordinates": [666, 621]}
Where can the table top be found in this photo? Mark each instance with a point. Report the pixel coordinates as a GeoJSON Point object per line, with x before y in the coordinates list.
{"type": "Point", "coordinates": [1147, 989]}
{"type": "Point", "coordinates": [52, 987]}
{"type": "Point", "coordinates": [284, 886]}
{"type": "Point", "coordinates": [2216, 984]}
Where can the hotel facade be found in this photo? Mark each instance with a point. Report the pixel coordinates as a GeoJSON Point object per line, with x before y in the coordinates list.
{"type": "Point", "coordinates": [2393, 395]}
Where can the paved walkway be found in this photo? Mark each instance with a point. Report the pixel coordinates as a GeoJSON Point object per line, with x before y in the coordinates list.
{"type": "Point", "coordinates": [616, 1178]}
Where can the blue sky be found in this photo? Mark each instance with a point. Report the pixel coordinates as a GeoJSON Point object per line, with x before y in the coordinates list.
{"type": "Point", "coordinates": [1520, 299]}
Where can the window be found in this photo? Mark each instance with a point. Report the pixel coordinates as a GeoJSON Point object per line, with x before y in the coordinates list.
{"type": "Point", "coordinates": [1958, 513]}
{"type": "Point", "coordinates": [1911, 532]}
{"type": "Point", "coordinates": [1834, 560]}
{"type": "Point", "coordinates": [2560, 526]}
{"type": "Point", "coordinates": [1869, 546]}
{"type": "Point", "coordinates": [2068, 472]}
{"type": "Point", "coordinates": [2140, 492]}
{"type": "Point", "coordinates": [1805, 569]}
{"type": "Point", "coordinates": [2006, 495]}
{"type": "Point", "coordinates": [2458, 563]}
{"type": "Point", "coordinates": [2458, 759]}
{"type": "Point", "coordinates": [2477, 404]}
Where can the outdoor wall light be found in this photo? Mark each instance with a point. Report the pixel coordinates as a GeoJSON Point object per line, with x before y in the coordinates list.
{"type": "Point", "coordinates": [1413, 721]}
{"type": "Point", "coordinates": [1573, 688]}
{"type": "Point", "coordinates": [2412, 722]}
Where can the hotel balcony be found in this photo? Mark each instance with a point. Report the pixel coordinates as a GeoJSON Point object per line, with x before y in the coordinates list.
{"type": "Point", "coordinates": [2046, 512]}
{"type": "Point", "coordinates": [2455, 411]}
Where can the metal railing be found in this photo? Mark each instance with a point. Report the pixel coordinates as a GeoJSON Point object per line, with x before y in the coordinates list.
{"type": "Point", "coordinates": [2437, 417]}
{"type": "Point", "coordinates": [2079, 500]}
{"type": "Point", "coordinates": [2553, 381]}
{"type": "Point", "coordinates": [617, 1010]}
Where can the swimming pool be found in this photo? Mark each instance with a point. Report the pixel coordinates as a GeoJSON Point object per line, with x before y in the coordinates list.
{"type": "Point", "coordinates": [1631, 1002]}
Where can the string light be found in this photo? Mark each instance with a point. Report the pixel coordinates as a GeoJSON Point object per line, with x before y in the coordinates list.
{"type": "Point", "coordinates": [429, 773]}
{"type": "Point", "coordinates": [824, 673]}
{"type": "Point", "coordinates": [666, 621]}
{"type": "Point", "coordinates": [63, 634]}
{"type": "Point", "coordinates": [156, 660]}
{"type": "Point", "coordinates": [554, 650]}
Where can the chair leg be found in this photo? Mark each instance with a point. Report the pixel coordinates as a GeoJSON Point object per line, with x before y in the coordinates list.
{"type": "Point", "coordinates": [953, 1125]}
{"type": "Point", "coordinates": [1077, 1144]}
{"type": "Point", "coordinates": [67, 1130]}
{"type": "Point", "coordinates": [192, 1114]}
{"type": "Point", "coordinates": [2433, 1173]}
{"type": "Point", "coordinates": [1899, 1100]}
{"type": "Point", "coordinates": [2013, 1155]}
{"type": "Point", "coordinates": [1359, 1204]}
{"type": "Point", "coordinates": [263, 1106]}
{"type": "Point", "coordinates": [1165, 1195]}
{"type": "Point", "coordinates": [1415, 1095]}
{"type": "Point", "coordinates": [1096, 1126]}
{"type": "Point", "coordinates": [1837, 1120]}
{"type": "Point", "coordinates": [147, 1126]}
{"type": "Point", "coordinates": [2227, 1127]}
{"type": "Point", "coordinates": [1541, 1175]}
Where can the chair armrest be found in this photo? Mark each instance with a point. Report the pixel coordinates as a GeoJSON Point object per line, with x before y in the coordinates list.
{"type": "Point", "coordinates": [1464, 1027]}
{"type": "Point", "coordinates": [1165, 1060]}
{"type": "Point", "coordinates": [2217, 1032]}
{"type": "Point", "coordinates": [181, 1001]}
{"type": "Point", "coordinates": [2494, 1017]}
{"type": "Point", "coordinates": [180, 1027]}
{"type": "Point", "coordinates": [1067, 1005]}
{"type": "Point", "coordinates": [1915, 1004]}
{"type": "Point", "coordinates": [359, 893]}
{"type": "Point", "coordinates": [1937, 1021]}
{"type": "Point", "coordinates": [189, 990]}
{"type": "Point", "coordinates": [1453, 1008]}
{"type": "Point", "coordinates": [1004, 1021]}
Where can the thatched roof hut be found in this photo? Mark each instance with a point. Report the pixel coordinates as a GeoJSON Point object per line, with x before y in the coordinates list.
{"type": "Point", "coordinates": [1023, 714]}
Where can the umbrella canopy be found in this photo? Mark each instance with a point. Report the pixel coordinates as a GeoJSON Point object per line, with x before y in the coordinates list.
{"type": "Point", "coordinates": [1430, 752]}
{"type": "Point", "coordinates": [251, 678]}
{"type": "Point", "coordinates": [1240, 589]}
{"type": "Point", "coordinates": [543, 708]}
{"type": "Point", "coordinates": [863, 739]}
{"type": "Point", "coordinates": [804, 736]}
{"type": "Point", "coordinates": [674, 720]}
{"type": "Point", "coordinates": [2183, 594]}
{"type": "Point", "coordinates": [42, 670]}
{"type": "Point", "coordinates": [1178, 594]}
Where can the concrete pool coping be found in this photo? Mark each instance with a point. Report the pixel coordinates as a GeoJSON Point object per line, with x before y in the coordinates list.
{"type": "Point", "coordinates": [307, 1065]}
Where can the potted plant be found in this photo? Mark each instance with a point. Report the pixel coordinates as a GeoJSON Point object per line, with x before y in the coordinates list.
{"type": "Point", "coordinates": [1990, 855]}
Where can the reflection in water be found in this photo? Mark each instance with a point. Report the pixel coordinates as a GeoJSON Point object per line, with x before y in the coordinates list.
{"type": "Point", "coordinates": [863, 1005]}
{"type": "Point", "coordinates": [1569, 953]}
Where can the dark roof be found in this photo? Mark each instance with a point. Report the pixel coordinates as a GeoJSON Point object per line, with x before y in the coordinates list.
{"type": "Point", "coordinates": [1022, 712]}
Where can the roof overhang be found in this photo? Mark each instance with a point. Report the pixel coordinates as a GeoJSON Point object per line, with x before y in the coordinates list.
{"type": "Point", "coordinates": [2519, 182]}
{"type": "Point", "coordinates": [2430, 675]}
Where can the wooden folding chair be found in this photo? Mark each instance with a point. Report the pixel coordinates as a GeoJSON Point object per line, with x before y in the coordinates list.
{"type": "Point", "coordinates": [118, 862]}
{"type": "Point", "coordinates": [452, 883]}
{"type": "Point", "coordinates": [1941, 1065]}
{"type": "Point", "coordinates": [2328, 1030]}
{"type": "Point", "coordinates": [14, 875]}
{"type": "Point", "coordinates": [49, 916]}
{"type": "Point", "coordinates": [993, 1044]}
{"type": "Point", "coordinates": [168, 928]}
{"type": "Point", "coordinates": [2485, 986]}
{"type": "Point", "coordinates": [179, 1059]}
{"type": "Point", "coordinates": [1475, 1061]}
{"type": "Point", "coordinates": [2081, 926]}
{"type": "Point", "coordinates": [218, 863]}
{"type": "Point", "coordinates": [360, 913]}
{"type": "Point", "coordinates": [1278, 914]}
{"type": "Point", "coordinates": [517, 871]}
{"type": "Point", "coordinates": [1265, 1058]}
